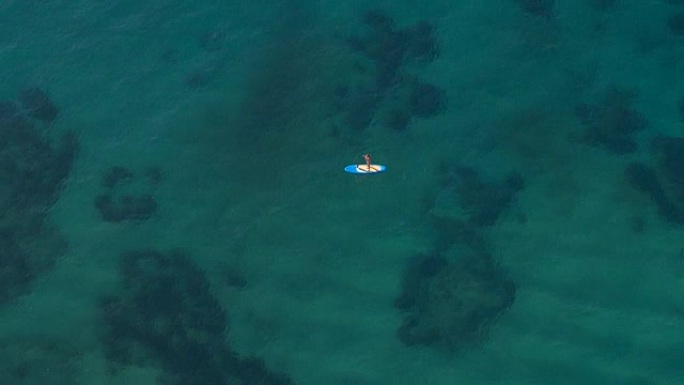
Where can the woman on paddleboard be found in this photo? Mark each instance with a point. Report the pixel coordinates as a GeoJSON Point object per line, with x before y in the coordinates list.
{"type": "Point", "coordinates": [368, 161]}
{"type": "Point", "coordinates": [368, 168]}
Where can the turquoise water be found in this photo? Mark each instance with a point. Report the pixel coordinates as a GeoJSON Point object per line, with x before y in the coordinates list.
{"type": "Point", "coordinates": [237, 119]}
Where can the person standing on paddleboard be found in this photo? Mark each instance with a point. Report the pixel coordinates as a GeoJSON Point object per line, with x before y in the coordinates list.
{"type": "Point", "coordinates": [368, 168]}
{"type": "Point", "coordinates": [368, 161]}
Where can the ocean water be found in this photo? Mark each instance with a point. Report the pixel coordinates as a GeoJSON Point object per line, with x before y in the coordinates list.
{"type": "Point", "coordinates": [237, 118]}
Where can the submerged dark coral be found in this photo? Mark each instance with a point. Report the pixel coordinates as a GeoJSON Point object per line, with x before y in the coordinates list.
{"type": "Point", "coordinates": [451, 297]}
{"type": "Point", "coordinates": [675, 24]}
{"type": "Point", "coordinates": [213, 41]}
{"type": "Point", "coordinates": [32, 172]}
{"type": "Point", "coordinates": [451, 305]}
{"type": "Point", "coordinates": [421, 42]}
{"type": "Point", "coordinates": [663, 181]}
{"type": "Point", "coordinates": [539, 8]}
{"type": "Point", "coordinates": [167, 311]}
{"type": "Point", "coordinates": [116, 176]}
{"type": "Point", "coordinates": [38, 105]}
{"type": "Point", "coordinates": [397, 119]}
{"type": "Point", "coordinates": [30, 246]}
{"type": "Point", "coordinates": [671, 158]}
{"type": "Point", "coordinates": [32, 360]}
{"type": "Point", "coordinates": [15, 269]}
{"type": "Point", "coordinates": [9, 114]}
{"type": "Point", "coordinates": [360, 109]}
{"type": "Point", "coordinates": [465, 200]}
{"type": "Point", "coordinates": [128, 197]}
{"type": "Point", "coordinates": [644, 179]}
{"type": "Point", "coordinates": [603, 5]}
{"type": "Point", "coordinates": [389, 48]}
{"type": "Point", "coordinates": [426, 100]}
{"type": "Point", "coordinates": [384, 46]}
{"type": "Point", "coordinates": [611, 121]}
{"type": "Point", "coordinates": [126, 207]}
{"type": "Point", "coordinates": [31, 166]}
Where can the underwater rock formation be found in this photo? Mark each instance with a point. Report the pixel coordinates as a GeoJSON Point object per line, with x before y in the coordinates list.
{"type": "Point", "coordinates": [663, 181]}
{"type": "Point", "coordinates": [389, 49]}
{"type": "Point", "coordinates": [452, 296]}
{"type": "Point", "coordinates": [32, 169]}
{"type": "Point", "coordinates": [611, 121]}
{"type": "Point", "coordinates": [397, 119]}
{"type": "Point", "coordinates": [128, 197]}
{"type": "Point", "coordinates": [116, 176]}
{"type": "Point", "coordinates": [359, 108]}
{"type": "Point", "coordinates": [30, 246]}
{"type": "Point", "coordinates": [38, 105]}
{"type": "Point", "coordinates": [126, 207]}
{"type": "Point", "coordinates": [166, 316]}
{"type": "Point", "coordinates": [32, 172]}
{"type": "Point", "coordinates": [465, 201]}
{"type": "Point", "coordinates": [28, 361]}
{"type": "Point", "coordinates": [426, 100]}
{"type": "Point", "coordinates": [675, 24]}
{"type": "Point", "coordinates": [539, 8]}
{"type": "Point", "coordinates": [669, 154]}
{"type": "Point", "coordinates": [214, 40]}
{"type": "Point", "coordinates": [644, 179]}
{"type": "Point", "coordinates": [451, 304]}
{"type": "Point", "coordinates": [603, 5]}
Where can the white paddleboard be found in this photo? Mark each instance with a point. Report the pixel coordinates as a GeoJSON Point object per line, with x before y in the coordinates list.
{"type": "Point", "coordinates": [363, 169]}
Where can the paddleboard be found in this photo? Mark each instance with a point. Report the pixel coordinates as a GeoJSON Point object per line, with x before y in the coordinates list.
{"type": "Point", "coordinates": [363, 169]}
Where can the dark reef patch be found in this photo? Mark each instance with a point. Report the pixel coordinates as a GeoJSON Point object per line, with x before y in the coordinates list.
{"type": "Point", "coordinates": [37, 104]}
{"type": "Point", "coordinates": [30, 246]}
{"type": "Point", "coordinates": [27, 361]}
{"type": "Point", "coordinates": [603, 5]}
{"type": "Point", "coordinates": [214, 40]}
{"type": "Point", "coordinates": [675, 24]}
{"type": "Point", "coordinates": [465, 203]}
{"type": "Point", "coordinates": [663, 179]}
{"type": "Point", "coordinates": [283, 88]}
{"type": "Point", "coordinates": [32, 173]}
{"type": "Point", "coordinates": [452, 296]}
{"type": "Point", "coordinates": [359, 109]}
{"type": "Point", "coordinates": [670, 155]}
{"type": "Point", "coordinates": [451, 304]}
{"type": "Point", "coordinates": [539, 8]}
{"type": "Point", "coordinates": [126, 207]}
{"type": "Point", "coordinates": [611, 121]}
{"type": "Point", "coordinates": [385, 88]}
{"type": "Point", "coordinates": [166, 317]}
{"type": "Point", "coordinates": [32, 169]}
{"type": "Point", "coordinates": [397, 119]}
{"type": "Point", "coordinates": [128, 197]}
{"type": "Point", "coordinates": [116, 176]}
{"type": "Point", "coordinates": [426, 100]}
{"type": "Point", "coordinates": [644, 179]}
